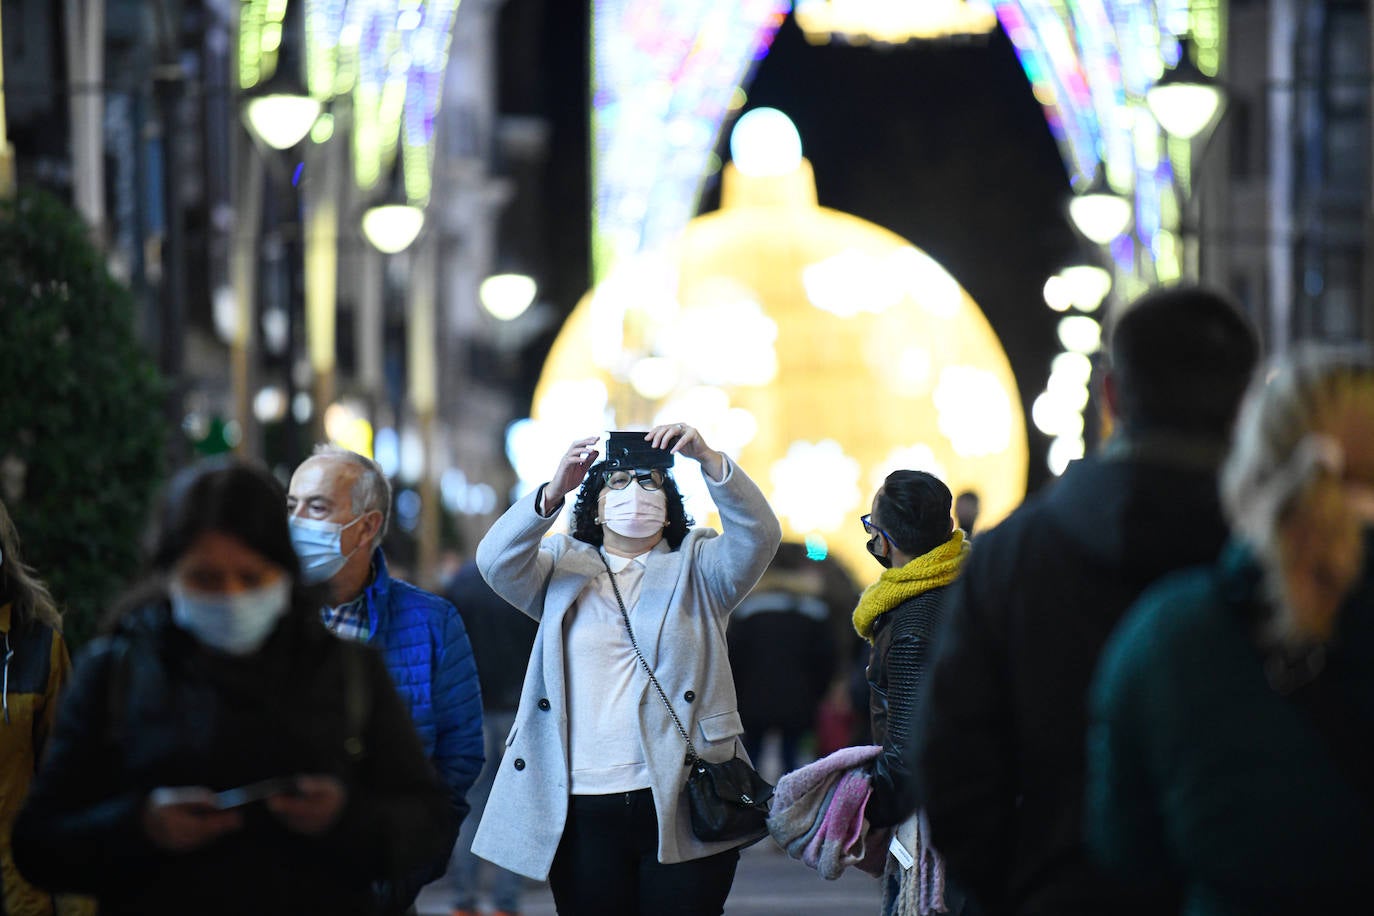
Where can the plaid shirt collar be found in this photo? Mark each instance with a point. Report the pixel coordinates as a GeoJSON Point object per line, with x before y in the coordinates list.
{"type": "Point", "coordinates": [350, 620]}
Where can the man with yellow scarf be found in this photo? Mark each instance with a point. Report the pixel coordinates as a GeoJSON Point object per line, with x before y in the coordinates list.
{"type": "Point", "coordinates": [911, 534]}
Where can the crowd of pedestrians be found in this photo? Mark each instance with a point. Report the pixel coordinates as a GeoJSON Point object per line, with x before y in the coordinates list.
{"type": "Point", "coordinates": [1147, 690]}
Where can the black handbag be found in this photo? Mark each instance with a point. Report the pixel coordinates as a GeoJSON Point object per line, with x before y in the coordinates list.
{"type": "Point", "coordinates": [727, 800]}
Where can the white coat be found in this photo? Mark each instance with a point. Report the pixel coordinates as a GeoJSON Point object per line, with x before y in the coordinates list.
{"type": "Point", "coordinates": [685, 599]}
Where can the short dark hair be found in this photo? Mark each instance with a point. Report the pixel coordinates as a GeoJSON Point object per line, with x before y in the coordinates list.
{"type": "Point", "coordinates": [586, 529]}
{"type": "Point", "coordinates": [1182, 357]}
{"type": "Point", "coordinates": [227, 496]}
{"type": "Point", "coordinates": [914, 510]}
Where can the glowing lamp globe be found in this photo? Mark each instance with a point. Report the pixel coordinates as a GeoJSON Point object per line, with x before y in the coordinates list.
{"type": "Point", "coordinates": [392, 227]}
{"type": "Point", "coordinates": [817, 349]}
{"type": "Point", "coordinates": [281, 120]}
{"type": "Point", "coordinates": [1184, 100]}
{"type": "Point", "coordinates": [1100, 215]}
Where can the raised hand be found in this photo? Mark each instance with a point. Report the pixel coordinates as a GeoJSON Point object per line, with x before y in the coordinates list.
{"type": "Point", "coordinates": [687, 440]}
{"type": "Point", "coordinates": [572, 468]}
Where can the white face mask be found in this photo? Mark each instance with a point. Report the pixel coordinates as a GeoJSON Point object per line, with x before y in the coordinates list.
{"type": "Point", "coordinates": [635, 512]}
{"type": "Point", "coordinates": [236, 624]}
{"type": "Point", "coordinates": [319, 545]}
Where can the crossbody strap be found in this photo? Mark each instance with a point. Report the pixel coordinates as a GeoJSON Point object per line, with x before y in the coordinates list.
{"type": "Point", "coordinates": [625, 616]}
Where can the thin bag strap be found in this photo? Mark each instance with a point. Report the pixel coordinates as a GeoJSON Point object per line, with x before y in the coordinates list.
{"type": "Point", "coordinates": [625, 616]}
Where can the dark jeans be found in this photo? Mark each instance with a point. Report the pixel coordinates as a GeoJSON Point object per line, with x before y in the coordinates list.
{"type": "Point", "coordinates": [607, 864]}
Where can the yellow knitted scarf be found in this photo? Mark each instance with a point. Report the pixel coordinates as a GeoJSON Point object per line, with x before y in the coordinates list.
{"type": "Point", "coordinates": [930, 570]}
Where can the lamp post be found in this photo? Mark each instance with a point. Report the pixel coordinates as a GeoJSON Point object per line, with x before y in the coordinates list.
{"type": "Point", "coordinates": [278, 114]}
{"type": "Point", "coordinates": [1185, 102]}
{"type": "Point", "coordinates": [392, 226]}
{"type": "Point", "coordinates": [6, 151]}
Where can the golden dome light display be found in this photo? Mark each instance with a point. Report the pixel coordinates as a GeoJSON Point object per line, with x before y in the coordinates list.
{"type": "Point", "coordinates": [817, 349]}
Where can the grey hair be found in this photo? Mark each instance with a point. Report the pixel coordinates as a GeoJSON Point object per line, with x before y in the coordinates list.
{"type": "Point", "coordinates": [371, 491]}
{"type": "Point", "coordinates": [1277, 452]}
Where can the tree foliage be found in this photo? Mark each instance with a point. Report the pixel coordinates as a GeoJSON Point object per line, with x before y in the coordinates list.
{"type": "Point", "coordinates": [81, 423]}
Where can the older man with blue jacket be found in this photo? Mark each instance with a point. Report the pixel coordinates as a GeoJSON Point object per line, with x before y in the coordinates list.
{"type": "Point", "coordinates": [339, 503]}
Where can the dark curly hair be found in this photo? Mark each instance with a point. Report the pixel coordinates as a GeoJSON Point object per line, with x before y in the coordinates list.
{"type": "Point", "coordinates": [585, 528]}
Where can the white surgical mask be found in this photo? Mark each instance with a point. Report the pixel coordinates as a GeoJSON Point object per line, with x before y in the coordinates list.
{"type": "Point", "coordinates": [236, 624]}
{"type": "Point", "coordinates": [635, 512]}
{"type": "Point", "coordinates": [319, 545]}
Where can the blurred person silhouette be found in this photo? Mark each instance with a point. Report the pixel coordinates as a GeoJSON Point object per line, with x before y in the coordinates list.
{"type": "Point", "coordinates": [501, 643]}
{"type": "Point", "coordinates": [339, 503]}
{"type": "Point", "coordinates": [590, 795]}
{"type": "Point", "coordinates": [36, 667]}
{"type": "Point", "coordinates": [219, 752]}
{"type": "Point", "coordinates": [966, 506]}
{"type": "Point", "coordinates": [782, 654]}
{"type": "Point", "coordinates": [912, 535]}
{"type": "Point", "coordinates": [1003, 715]}
{"type": "Point", "coordinates": [1232, 744]}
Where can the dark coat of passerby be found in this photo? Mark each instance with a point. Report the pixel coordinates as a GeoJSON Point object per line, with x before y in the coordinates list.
{"type": "Point", "coordinates": [782, 654]}
{"type": "Point", "coordinates": [1233, 710]}
{"type": "Point", "coordinates": [1003, 717]}
{"type": "Point", "coordinates": [912, 535]}
{"type": "Point", "coordinates": [501, 641]}
{"type": "Point", "coordinates": [221, 677]}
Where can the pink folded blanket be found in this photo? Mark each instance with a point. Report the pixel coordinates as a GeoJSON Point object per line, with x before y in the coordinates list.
{"type": "Point", "coordinates": [817, 812]}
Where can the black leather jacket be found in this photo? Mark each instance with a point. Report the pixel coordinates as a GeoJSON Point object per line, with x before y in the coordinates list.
{"type": "Point", "coordinates": [901, 650]}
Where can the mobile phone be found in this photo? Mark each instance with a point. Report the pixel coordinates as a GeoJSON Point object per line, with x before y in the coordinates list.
{"type": "Point", "coordinates": [256, 791]}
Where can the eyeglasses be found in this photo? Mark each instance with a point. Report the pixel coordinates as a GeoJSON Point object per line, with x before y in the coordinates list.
{"type": "Point", "coordinates": [872, 529]}
{"type": "Point", "coordinates": [651, 479]}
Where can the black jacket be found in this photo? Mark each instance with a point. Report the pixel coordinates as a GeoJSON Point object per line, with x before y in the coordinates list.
{"type": "Point", "coordinates": [501, 638]}
{"type": "Point", "coordinates": [1002, 722]}
{"type": "Point", "coordinates": [148, 707]}
{"type": "Point", "coordinates": [781, 655]}
{"type": "Point", "coordinates": [901, 648]}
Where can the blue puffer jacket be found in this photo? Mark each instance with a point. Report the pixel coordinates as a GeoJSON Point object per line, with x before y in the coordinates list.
{"type": "Point", "coordinates": [426, 649]}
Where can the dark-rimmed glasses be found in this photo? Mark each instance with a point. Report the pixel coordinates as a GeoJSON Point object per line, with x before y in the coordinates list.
{"type": "Point", "coordinates": [651, 479]}
{"type": "Point", "coordinates": [871, 529]}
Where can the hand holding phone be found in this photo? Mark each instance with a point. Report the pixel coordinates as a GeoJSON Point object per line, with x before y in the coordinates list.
{"type": "Point", "coordinates": [313, 807]}
{"type": "Point", "coordinates": [257, 791]}
{"type": "Point", "coordinates": [182, 818]}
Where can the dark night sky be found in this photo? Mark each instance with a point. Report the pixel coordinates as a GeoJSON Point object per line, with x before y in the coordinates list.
{"type": "Point", "coordinates": [941, 143]}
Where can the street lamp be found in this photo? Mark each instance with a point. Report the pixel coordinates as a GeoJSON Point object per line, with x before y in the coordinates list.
{"type": "Point", "coordinates": [281, 118]}
{"type": "Point", "coordinates": [1100, 213]}
{"type": "Point", "coordinates": [1185, 99]}
{"type": "Point", "coordinates": [280, 112]}
{"type": "Point", "coordinates": [392, 227]}
{"type": "Point", "coordinates": [507, 296]}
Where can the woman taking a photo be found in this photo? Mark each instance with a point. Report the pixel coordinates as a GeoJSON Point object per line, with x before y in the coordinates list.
{"type": "Point", "coordinates": [590, 791]}
{"type": "Point", "coordinates": [220, 752]}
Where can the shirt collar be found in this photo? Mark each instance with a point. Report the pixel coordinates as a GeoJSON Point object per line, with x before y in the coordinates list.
{"type": "Point", "coordinates": [618, 563]}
